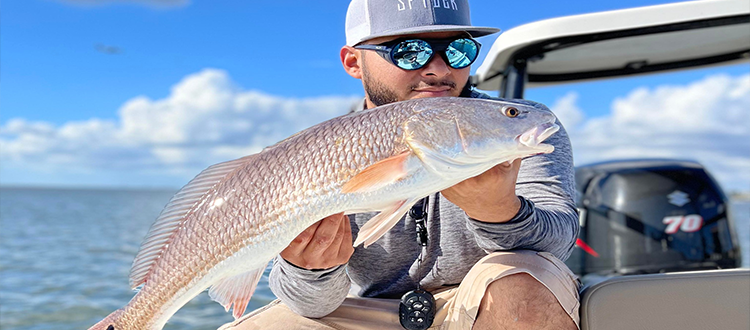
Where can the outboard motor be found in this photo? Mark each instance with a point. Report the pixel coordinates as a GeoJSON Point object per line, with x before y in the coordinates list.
{"type": "Point", "coordinates": [651, 216]}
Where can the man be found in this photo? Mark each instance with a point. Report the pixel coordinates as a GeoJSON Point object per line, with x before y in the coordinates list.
{"type": "Point", "coordinates": [500, 235]}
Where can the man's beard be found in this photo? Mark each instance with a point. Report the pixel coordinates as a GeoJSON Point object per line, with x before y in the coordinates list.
{"type": "Point", "coordinates": [380, 94]}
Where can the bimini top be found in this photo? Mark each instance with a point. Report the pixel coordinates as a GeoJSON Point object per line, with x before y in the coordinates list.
{"type": "Point", "coordinates": [622, 42]}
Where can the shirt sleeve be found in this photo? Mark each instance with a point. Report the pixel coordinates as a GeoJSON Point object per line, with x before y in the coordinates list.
{"type": "Point", "coordinates": [547, 220]}
{"type": "Point", "coordinates": [309, 293]}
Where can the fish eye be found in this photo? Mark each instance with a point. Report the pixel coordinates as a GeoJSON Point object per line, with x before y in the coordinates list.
{"type": "Point", "coordinates": [512, 112]}
{"type": "Point", "coordinates": [111, 327]}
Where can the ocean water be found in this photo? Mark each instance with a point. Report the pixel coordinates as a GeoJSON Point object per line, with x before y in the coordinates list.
{"type": "Point", "coordinates": [65, 255]}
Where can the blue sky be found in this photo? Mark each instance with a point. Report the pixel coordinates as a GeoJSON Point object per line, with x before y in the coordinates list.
{"type": "Point", "coordinates": [73, 66]}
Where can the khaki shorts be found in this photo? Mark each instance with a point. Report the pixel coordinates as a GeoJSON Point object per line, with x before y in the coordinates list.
{"type": "Point", "coordinates": [457, 307]}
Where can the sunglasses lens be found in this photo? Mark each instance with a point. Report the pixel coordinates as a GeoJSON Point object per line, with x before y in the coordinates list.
{"type": "Point", "coordinates": [411, 54]}
{"type": "Point", "coordinates": [461, 53]}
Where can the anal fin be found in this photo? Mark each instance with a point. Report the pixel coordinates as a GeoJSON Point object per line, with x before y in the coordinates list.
{"type": "Point", "coordinates": [384, 221]}
{"type": "Point", "coordinates": [235, 291]}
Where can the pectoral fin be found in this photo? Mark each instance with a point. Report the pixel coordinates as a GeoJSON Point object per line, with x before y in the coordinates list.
{"type": "Point", "coordinates": [377, 175]}
{"type": "Point", "coordinates": [235, 291]}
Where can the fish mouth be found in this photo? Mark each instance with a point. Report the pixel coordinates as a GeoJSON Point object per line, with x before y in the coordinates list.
{"type": "Point", "coordinates": [533, 138]}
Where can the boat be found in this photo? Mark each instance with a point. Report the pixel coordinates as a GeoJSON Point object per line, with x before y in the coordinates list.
{"type": "Point", "coordinates": [657, 248]}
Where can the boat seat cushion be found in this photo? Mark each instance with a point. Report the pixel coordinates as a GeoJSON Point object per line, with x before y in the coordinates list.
{"type": "Point", "coordinates": [718, 299]}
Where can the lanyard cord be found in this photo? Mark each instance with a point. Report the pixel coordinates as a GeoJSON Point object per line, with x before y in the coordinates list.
{"type": "Point", "coordinates": [419, 213]}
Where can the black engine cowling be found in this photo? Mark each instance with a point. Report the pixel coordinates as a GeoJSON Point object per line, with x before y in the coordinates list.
{"type": "Point", "coordinates": [651, 216]}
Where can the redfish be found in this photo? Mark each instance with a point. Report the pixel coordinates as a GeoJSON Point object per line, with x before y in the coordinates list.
{"type": "Point", "coordinates": [220, 231]}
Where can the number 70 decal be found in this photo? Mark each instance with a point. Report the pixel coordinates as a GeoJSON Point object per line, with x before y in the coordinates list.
{"type": "Point", "coordinates": [687, 223]}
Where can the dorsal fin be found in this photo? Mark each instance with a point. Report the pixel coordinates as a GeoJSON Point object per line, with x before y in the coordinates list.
{"type": "Point", "coordinates": [174, 214]}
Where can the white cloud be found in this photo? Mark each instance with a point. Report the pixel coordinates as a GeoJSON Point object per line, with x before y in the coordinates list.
{"type": "Point", "coordinates": [205, 119]}
{"type": "Point", "coordinates": [707, 121]}
{"type": "Point", "coordinates": [567, 110]}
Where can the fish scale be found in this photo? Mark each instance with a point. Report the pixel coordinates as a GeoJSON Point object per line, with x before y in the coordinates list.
{"type": "Point", "coordinates": [223, 227]}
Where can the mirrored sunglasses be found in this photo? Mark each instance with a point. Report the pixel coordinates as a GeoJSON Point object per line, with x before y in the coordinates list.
{"type": "Point", "coordinates": [414, 54]}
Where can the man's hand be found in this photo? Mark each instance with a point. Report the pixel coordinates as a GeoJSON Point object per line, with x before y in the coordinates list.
{"type": "Point", "coordinates": [490, 196]}
{"type": "Point", "coordinates": [325, 244]}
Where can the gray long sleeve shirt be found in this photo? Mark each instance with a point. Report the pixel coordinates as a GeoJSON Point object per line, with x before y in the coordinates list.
{"type": "Point", "coordinates": [547, 221]}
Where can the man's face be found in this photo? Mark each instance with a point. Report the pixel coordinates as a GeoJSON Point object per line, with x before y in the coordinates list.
{"type": "Point", "coordinates": [386, 83]}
